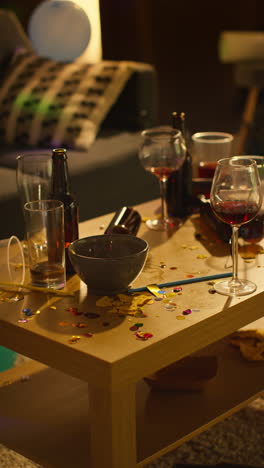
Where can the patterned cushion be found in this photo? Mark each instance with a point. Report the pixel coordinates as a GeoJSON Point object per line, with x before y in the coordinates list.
{"type": "Point", "coordinates": [53, 104]}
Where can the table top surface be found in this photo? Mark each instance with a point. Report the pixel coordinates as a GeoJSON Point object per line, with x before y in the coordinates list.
{"type": "Point", "coordinates": [106, 344]}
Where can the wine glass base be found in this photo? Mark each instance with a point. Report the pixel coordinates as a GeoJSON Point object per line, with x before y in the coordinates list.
{"type": "Point", "coordinates": [163, 224]}
{"type": "Point", "coordinates": [237, 288]}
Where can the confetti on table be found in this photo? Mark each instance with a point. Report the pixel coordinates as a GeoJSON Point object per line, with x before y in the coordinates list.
{"type": "Point", "coordinates": [201, 256]}
{"type": "Point", "coordinates": [79, 325]}
{"type": "Point", "coordinates": [28, 313]}
{"type": "Point", "coordinates": [53, 307]}
{"type": "Point", "coordinates": [180, 317]}
{"type": "Point", "coordinates": [211, 291]}
{"type": "Point", "coordinates": [23, 320]}
{"type": "Point", "coordinates": [189, 276]}
{"type": "Point", "coordinates": [177, 289]}
{"type": "Point", "coordinates": [154, 289]}
{"type": "Point", "coordinates": [74, 339]}
{"type": "Point", "coordinates": [173, 268]}
{"type": "Point", "coordinates": [143, 335]}
{"type": "Point", "coordinates": [187, 312]}
{"type": "Point", "coordinates": [87, 335]}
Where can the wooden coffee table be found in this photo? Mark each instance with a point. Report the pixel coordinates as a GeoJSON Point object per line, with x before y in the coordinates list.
{"type": "Point", "coordinates": [91, 406]}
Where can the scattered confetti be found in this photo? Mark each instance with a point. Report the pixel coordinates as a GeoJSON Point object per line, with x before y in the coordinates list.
{"type": "Point", "coordinates": [158, 299]}
{"type": "Point", "coordinates": [87, 335]}
{"type": "Point", "coordinates": [187, 312]}
{"type": "Point", "coordinates": [28, 313]}
{"type": "Point", "coordinates": [143, 335]}
{"type": "Point", "coordinates": [177, 289]}
{"type": "Point", "coordinates": [169, 307]}
{"type": "Point", "coordinates": [171, 294]}
{"type": "Point", "coordinates": [79, 325]}
{"type": "Point", "coordinates": [23, 320]}
{"type": "Point", "coordinates": [26, 310]}
{"type": "Point", "coordinates": [211, 291]}
{"type": "Point", "coordinates": [53, 307]}
{"type": "Point", "coordinates": [154, 289]}
{"type": "Point", "coordinates": [173, 268]}
{"type": "Point", "coordinates": [74, 339]}
{"type": "Point", "coordinates": [139, 324]}
{"type": "Point", "coordinates": [189, 276]}
{"type": "Point", "coordinates": [180, 317]}
{"type": "Point", "coordinates": [201, 256]}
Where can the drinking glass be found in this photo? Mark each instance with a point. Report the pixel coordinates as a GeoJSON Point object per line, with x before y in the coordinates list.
{"type": "Point", "coordinates": [207, 149]}
{"type": "Point", "coordinates": [236, 198]}
{"type": "Point", "coordinates": [162, 151]}
{"type": "Point", "coordinates": [34, 176]}
{"type": "Point", "coordinates": [46, 249]}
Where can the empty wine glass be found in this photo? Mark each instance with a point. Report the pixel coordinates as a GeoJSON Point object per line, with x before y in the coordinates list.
{"type": "Point", "coordinates": [236, 198]}
{"type": "Point", "coordinates": [162, 151]}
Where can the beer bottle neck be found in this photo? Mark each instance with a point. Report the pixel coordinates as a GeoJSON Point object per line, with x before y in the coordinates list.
{"type": "Point", "coordinates": [60, 173]}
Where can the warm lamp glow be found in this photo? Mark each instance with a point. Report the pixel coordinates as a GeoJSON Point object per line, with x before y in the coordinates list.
{"type": "Point", "coordinates": [67, 30]}
{"type": "Point", "coordinates": [93, 53]}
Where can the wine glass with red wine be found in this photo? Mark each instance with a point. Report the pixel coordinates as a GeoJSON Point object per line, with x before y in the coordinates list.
{"type": "Point", "coordinates": [236, 198]}
{"type": "Point", "coordinates": [162, 151]}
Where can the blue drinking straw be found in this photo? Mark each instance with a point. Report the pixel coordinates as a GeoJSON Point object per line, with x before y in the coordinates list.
{"type": "Point", "coordinates": [184, 281]}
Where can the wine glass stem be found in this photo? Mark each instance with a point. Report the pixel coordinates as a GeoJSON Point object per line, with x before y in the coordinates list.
{"type": "Point", "coordinates": [235, 252]}
{"type": "Point", "coordinates": [163, 186]}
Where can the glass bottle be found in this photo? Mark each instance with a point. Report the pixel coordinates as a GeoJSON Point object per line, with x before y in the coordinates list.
{"type": "Point", "coordinates": [179, 185]}
{"type": "Point", "coordinates": [61, 190]}
{"type": "Point", "coordinates": [125, 221]}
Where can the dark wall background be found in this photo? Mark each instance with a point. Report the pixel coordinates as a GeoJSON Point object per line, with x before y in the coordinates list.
{"type": "Point", "coordinates": [181, 40]}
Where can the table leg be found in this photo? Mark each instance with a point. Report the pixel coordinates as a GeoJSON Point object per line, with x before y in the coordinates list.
{"type": "Point", "coordinates": [113, 427]}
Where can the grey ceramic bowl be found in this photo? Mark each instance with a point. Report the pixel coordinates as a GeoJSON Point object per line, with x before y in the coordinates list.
{"type": "Point", "coordinates": [108, 263]}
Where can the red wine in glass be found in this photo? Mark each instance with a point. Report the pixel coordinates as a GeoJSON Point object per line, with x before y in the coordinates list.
{"type": "Point", "coordinates": [162, 151]}
{"type": "Point", "coordinates": [236, 212]}
{"type": "Point", "coordinates": [236, 199]}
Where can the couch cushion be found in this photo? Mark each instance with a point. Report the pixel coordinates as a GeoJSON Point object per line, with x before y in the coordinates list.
{"type": "Point", "coordinates": [51, 104]}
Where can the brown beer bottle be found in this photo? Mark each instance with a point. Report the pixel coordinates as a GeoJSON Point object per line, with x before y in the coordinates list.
{"type": "Point", "coordinates": [61, 190]}
{"type": "Point", "coordinates": [179, 184]}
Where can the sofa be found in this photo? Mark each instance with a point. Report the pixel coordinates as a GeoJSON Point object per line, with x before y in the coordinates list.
{"type": "Point", "coordinates": [102, 135]}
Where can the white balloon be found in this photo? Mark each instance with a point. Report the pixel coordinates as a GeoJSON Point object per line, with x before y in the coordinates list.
{"type": "Point", "coordinates": [59, 29]}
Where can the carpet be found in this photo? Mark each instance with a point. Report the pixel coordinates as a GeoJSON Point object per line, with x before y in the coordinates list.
{"type": "Point", "coordinates": [237, 440]}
